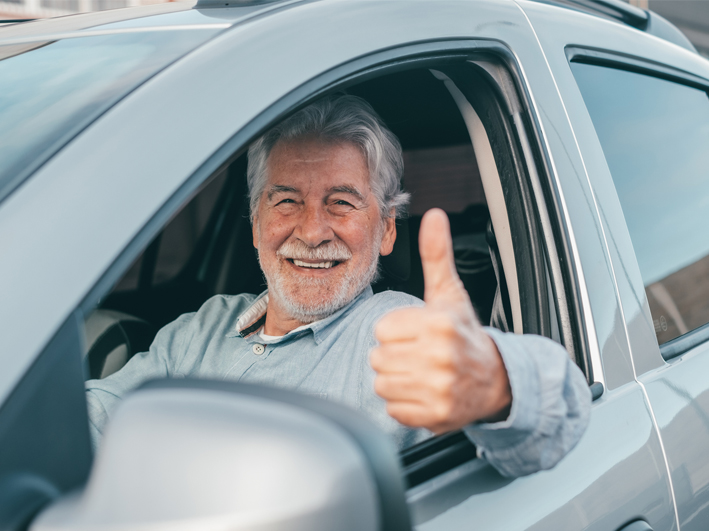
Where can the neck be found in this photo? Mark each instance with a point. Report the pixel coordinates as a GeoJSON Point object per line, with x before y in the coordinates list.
{"type": "Point", "coordinates": [278, 321]}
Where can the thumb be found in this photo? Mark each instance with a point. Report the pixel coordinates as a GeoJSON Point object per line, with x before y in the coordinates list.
{"type": "Point", "coordinates": [436, 248]}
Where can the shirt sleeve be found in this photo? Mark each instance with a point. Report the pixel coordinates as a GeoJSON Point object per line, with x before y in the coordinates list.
{"type": "Point", "coordinates": [551, 405]}
{"type": "Point", "coordinates": [103, 395]}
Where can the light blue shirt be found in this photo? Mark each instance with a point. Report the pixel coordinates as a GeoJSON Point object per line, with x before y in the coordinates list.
{"type": "Point", "coordinates": [330, 359]}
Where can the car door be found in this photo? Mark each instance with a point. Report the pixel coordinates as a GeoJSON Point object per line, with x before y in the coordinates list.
{"type": "Point", "coordinates": [655, 209]}
{"type": "Point", "coordinates": [647, 176]}
{"type": "Point", "coordinates": [618, 466]}
{"type": "Point", "coordinates": [206, 108]}
{"type": "Point", "coordinates": [660, 180]}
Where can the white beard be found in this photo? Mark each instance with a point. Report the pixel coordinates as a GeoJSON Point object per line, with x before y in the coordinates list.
{"type": "Point", "coordinates": [315, 309]}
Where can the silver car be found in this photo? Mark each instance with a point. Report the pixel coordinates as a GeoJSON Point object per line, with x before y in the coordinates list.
{"type": "Point", "coordinates": [566, 140]}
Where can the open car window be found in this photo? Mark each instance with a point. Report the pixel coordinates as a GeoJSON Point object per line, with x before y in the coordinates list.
{"type": "Point", "coordinates": [208, 248]}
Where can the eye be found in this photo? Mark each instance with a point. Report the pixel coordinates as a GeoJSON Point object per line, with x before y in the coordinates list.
{"type": "Point", "coordinates": [342, 202]}
{"type": "Point", "coordinates": [286, 201]}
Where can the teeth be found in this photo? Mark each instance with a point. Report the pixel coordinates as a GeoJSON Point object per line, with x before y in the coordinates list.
{"type": "Point", "coordinates": [320, 265]}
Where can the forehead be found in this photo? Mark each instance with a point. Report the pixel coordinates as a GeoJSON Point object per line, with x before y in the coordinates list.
{"type": "Point", "coordinates": [317, 161]}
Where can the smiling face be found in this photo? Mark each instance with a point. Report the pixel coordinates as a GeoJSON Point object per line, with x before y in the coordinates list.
{"type": "Point", "coordinates": [318, 231]}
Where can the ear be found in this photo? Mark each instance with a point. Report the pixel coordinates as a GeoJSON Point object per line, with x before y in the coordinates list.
{"type": "Point", "coordinates": [254, 231]}
{"type": "Point", "coordinates": [389, 238]}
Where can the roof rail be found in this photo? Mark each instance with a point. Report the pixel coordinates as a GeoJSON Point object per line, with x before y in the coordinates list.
{"type": "Point", "coordinates": [620, 11]}
{"type": "Point", "coordinates": [631, 15]}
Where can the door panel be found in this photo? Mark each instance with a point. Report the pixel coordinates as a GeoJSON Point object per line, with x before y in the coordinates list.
{"type": "Point", "coordinates": [614, 475]}
{"type": "Point", "coordinates": [650, 138]}
{"type": "Point", "coordinates": [679, 394]}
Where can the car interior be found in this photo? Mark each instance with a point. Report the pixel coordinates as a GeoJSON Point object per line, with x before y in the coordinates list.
{"type": "Point", "coordinates": [207, 249]}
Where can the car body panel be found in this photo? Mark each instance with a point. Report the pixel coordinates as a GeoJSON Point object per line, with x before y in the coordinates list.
{"type": "Point", "coordinates": [679, 395]}
{"type": "Point", "coordinates": [165, 133]}
{"type": "Point", "coordinates": [579, 32]}
{"type": "Point", "coordinates": [587, 490]}
{"type": "Point", "coordinates": [678, 392]}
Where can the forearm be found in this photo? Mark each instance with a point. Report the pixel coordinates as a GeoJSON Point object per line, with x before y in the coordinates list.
{"type": "Point", "coordinates": [550, 407]}
{"type": "Point", "coordinates": [104, 395]}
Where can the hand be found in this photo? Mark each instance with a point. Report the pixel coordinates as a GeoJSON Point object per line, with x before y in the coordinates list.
{"type": "Point", "coordinates": [436, 367]}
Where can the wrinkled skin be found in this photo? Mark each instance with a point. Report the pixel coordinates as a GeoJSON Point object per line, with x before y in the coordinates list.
{"type": "Point", "coordinates": [317, 195]}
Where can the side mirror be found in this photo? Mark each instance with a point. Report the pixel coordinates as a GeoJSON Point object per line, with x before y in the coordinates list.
{"type": "Point", "coordinates": [199, 454]}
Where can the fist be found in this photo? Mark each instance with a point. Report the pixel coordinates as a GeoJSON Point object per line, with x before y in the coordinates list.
{"type": "Point", "coordinates": [436, 367]}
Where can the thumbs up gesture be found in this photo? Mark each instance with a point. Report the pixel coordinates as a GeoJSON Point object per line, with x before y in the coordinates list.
{"type": "Point", "coordinates": [436, 367]}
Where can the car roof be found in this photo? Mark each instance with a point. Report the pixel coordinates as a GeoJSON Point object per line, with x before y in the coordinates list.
{"type": "Point", "coordinates": [228, 12]}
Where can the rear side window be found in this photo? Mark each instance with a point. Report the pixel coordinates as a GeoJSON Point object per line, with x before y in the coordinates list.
{"type": "Point", "coordinates": [50, 90]}
{"type": "Point", "coordinates": [655, 136]}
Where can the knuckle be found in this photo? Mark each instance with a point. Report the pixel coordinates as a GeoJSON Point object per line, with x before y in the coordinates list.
{"type": "Point", "coordinates": [376, 359]}
{"type": "Point", "coordinates": [380, 327]}
{"type": "Point", "coordinates": [443, 324]}
{"type": "Point", "coordinates": [443, 411]}
{"type": "Point", "coordinates": [444, 356]}
{"type": "Point", "coordinates": [442, 386]}
{"type": "Point", "coordinates": [394, 412]}
{"type": "Point", "coordinates": [381, 386]}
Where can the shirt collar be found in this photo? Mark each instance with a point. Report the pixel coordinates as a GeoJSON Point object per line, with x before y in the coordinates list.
{"type": "Point", "coordinates": [254, 317]}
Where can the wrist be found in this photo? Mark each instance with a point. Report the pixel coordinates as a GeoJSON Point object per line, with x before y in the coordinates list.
{"type": "Point", "coordinates": [500, 402]}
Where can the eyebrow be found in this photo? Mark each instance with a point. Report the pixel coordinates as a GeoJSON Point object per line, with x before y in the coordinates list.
{"type": "Point", "coordinates": [279, 188]}
{"type": "Point", "coordinates": [346, 190]}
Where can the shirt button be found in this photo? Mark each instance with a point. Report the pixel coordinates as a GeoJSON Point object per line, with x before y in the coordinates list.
{"type": "Point", "coordinates": [258, 349]}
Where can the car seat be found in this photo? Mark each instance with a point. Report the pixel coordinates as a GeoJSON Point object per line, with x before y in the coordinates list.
{"type": "Point", "coordinates": [476, 260]}
{"type": "Point", "coordinates": [113, 338]}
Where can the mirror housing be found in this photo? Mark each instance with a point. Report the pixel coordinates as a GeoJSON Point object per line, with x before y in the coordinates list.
{"type": "Point", "coordinates": [200, 454]}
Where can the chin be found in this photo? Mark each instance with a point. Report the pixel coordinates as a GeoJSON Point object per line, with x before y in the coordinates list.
{"type": "Point", "coordinates": [313, 308]}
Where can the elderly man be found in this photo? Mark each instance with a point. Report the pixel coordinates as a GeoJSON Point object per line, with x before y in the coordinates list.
{"type": "Point", "coordinates": [325, 191]}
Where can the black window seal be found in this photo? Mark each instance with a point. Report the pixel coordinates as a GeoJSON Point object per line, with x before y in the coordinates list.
{"type": "Point", "coordinates": [432, 54]}
{"type": "Point", "coordinates": [579, 343]}
{"type": "Point", "coordinates": [487, 98]}
{"type": "Point", "coordinates": [684, 343]}
{"type": "Point", "coordinates": [638, 65]}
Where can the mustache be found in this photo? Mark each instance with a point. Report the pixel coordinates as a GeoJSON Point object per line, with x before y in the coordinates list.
{"type": "Point", "coordinates": [328, 252]}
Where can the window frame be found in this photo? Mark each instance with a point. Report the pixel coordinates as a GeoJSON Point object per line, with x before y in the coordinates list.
{"type": "Point", "coordinates": [525, 165]}
{"type": "Point", "coordinates": [608, 59]}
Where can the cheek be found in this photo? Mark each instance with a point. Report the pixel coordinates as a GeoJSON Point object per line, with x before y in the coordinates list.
{"type": "Point", "coordinates": [273, 232]}
{"type": "Point", "coordinates": [360, 236]}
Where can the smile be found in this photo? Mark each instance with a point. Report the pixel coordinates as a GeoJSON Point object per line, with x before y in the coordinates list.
{"type": "Point", "coordinates": [314, 265]}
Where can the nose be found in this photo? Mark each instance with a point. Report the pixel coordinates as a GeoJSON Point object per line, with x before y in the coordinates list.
{"type": "Point", "coordinates": [314, 228]}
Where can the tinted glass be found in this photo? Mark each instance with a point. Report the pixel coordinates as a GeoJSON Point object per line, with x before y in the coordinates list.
{"type": "Point", "coordinates": [655, 136]}
{"type": "Point", "coordinates": [49, 91]}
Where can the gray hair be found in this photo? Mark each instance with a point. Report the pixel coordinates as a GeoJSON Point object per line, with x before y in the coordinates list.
{"type": "Point", "coordinates": [339, 118]}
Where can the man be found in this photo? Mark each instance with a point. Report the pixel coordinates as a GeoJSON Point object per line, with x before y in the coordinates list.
{"type": "Point", "coordinates": [324, 191]}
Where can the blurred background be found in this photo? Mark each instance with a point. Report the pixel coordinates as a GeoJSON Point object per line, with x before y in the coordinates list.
{"type": "Point", "coordinates": [30, 9]}
{"type": "Point", "coordinates": [691, 16]}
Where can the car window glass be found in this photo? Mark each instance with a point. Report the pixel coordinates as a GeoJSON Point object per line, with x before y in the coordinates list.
{"type": "Point", "coordinates": [49, 91]}
{"type": "Point", "coordinates": [655, 137]}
